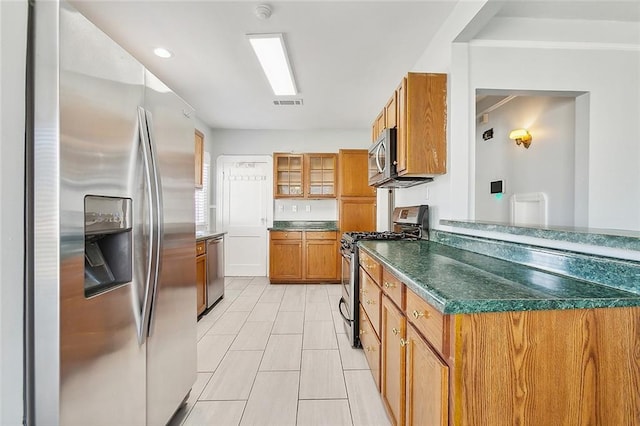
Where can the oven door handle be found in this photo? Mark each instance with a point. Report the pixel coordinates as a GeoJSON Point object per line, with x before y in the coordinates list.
{"type": "Point", "coordinates": [342, 301]}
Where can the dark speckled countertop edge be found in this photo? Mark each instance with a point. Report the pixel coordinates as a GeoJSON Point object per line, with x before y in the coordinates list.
{"type": "Point", "coordinates": [451, 305]}
{"type": "Point", "coordinates": [305, 225]}
{"type": "Point", "coordinates": [201, 236]}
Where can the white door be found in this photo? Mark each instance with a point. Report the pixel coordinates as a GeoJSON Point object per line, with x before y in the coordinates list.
{"type": "Point", "coordinates": [245, 211]}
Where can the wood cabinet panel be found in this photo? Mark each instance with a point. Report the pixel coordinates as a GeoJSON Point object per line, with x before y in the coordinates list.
{"type": "Point", "coordinates": [393, 288]}
{"type": "Point", "coordinates": [288, 175]}
{"type": "Point", "coordinates": [427, 383]}
{"type": "Point", "coordinates": [357, 214]}
{"type": "Point", "coordinates": [422, 124]}
{"type": "Point", "coordinates": [321, 175]}
{"type": "Point", "coordinates": [380, 124]}
{"type": "Point", "coordinates": [370, 299]}
{"type": "Point", "coordinates": [201, 283]}
{"type": "Point", "coordinates": [321, 235]}
{"type": "Point", "coordinates": [353, 174]}
{"type": "Point", "coordinates": [286, 235]}
{"type": "Point", "coordinates": [392, 337]}
{"type": "Point", "coordinates": [429, 321]}
{"type": "Point", "coordinates": [285, 260]}
{"type": "Point", "coordinates": [390, 112]}
{"type": "Point", "coordinates": [372, 267]}
{"type": "Point", "coordinates": [199, 158]}
{"type": "Point", "coordinates": [201, 248]}
{"type": "Point", "coordinates": [321, 259]}
{"type": "Point", "coordinates": [305, 175]}
{"type": "Point", "coordinates": [370, 345]}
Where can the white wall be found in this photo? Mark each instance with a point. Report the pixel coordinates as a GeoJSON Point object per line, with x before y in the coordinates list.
{"type": "Point", "coordinates": [546, 166]}
{"type": "Point", "coordinates": [13, 17]}
{"type": "Point", "coordinates": [285, 209]}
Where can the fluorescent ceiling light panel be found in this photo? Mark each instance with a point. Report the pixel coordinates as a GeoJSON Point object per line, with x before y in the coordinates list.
{"type": "Point", "coordinates": [271, 53]}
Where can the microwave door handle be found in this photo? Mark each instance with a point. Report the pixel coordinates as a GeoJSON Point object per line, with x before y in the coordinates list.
{"type": "Point", "coordinates": [378, 157]}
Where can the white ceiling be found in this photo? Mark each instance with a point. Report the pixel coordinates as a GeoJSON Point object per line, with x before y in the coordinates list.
{"type": "Point", "coordinates": [347, 56]}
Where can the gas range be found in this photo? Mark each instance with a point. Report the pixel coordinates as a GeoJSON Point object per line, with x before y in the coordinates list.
{"type": "Point", "coordinates": [410, 223]}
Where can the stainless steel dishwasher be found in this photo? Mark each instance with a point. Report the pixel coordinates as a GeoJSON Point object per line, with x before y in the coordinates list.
{"type": "Point", "coordinates": [215, 270]}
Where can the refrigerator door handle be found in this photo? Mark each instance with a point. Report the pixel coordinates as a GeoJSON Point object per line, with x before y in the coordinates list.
{"type": "Point", "coordinates": [151, 243]}
{"type": "Point", "coordinates": [159, 220]}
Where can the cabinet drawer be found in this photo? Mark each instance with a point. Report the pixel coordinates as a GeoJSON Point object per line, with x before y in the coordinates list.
{"type": "Point", "coordinates": [427, 320]}
{"type": "Point", "coordinates": [286, 235]}
{"type": "Point", "coordinates": [371, 266]}
{"type": "Point", "coordinates": [370, 299]}
{"type": "Point", "coordinates": [370, 345]}
{"type": "Point", "coordinates": [394, 288]}
{"type": "Point", "coordinates": [321, 235]}
{"type": "Point", "coordinates": [201, 248]}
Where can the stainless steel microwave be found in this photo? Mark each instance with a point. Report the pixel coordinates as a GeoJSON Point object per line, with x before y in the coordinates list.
{"type": "Point", "coordinates": [382, 158]}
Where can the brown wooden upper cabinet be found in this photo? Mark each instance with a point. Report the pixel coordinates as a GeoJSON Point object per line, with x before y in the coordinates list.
{"type": "Point", "coordinates": [199, 158]}
{"type": "Point", "coordinates": [418, 110]}
{"type": "Point", "coordinates": [304, 175]}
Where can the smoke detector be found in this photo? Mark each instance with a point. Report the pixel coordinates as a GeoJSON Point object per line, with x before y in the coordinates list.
{"type": "Point", "coordinates": [263, 11]}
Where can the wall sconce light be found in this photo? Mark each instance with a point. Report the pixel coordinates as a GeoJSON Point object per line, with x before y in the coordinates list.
{"type": "Point", "coordinates": [521, 136]}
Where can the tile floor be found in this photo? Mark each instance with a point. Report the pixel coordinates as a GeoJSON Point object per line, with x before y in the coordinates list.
{"type": "Point", "coordinates": [278, 355]}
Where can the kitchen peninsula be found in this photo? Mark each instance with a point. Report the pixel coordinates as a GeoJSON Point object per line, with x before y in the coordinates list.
{"type": "Point", "coordinates": [465, 337]}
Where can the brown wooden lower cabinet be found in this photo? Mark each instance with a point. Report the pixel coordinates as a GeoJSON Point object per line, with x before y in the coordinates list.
{"type": "Point", "coordinates": [427, 383]}
{"type": "Point", "coordinates": [392, 335]}
{"type": "Point", "coordinates": [371, 345]}
{"type": "Point", "coordinates": [304, 256]}
{"type": "Point", "coordinates": [201, 278]}
{"type": "Point", "coordinates": [531, 368]}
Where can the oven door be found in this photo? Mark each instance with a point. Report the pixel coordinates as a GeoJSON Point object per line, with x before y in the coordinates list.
{"type": "Point", "coordinates": [348, 305]}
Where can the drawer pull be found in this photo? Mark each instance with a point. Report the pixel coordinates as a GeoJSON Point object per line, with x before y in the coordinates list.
{"type": "Point", "coordinates": [371, 302]}
{"type": "Point", "coordinates": [417, 314]}
{"type": "Point", "coordinates": [369, 349]}
{"type": "Point", "coordinates": [389, 285]}
{"type": "Point", "coordinates": [403, 342]}
{"type": "Point", "coordinates": [362, 332]}
{"type": "Point", "coordinates": [395, 331]}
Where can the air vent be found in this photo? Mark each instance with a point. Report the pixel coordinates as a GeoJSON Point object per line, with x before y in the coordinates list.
{"type": "Point", "coordinates": [290, 102]}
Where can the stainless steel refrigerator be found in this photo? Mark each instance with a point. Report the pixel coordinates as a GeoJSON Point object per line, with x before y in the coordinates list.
{"type": "Point", "coordinates": [111, 297]}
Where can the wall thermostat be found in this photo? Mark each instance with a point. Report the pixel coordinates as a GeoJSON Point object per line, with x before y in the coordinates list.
{"type": "Point", "coordinates": [497, 187]}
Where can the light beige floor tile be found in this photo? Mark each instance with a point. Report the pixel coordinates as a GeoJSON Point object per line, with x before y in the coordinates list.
{"type": "Point", "coordinates": [264, 312]}
{"type": "Point", "coordinates": [319, 335]}
{"type": "Point", "coordinates": [253, 290]}
{"type": "Point", "coordinates": [260, 281]}
{"type": "Point", "coordinates": [364, 399]}
{"type": "Point", "coordinates": [273, 399]}
{"type": "Point", "coordinates": [229, 323]}
{"type": "Point", "coordinates": [324, 412]}
{"type": "Point", "coordinates": [288, 323]}
{"type": "Point", "coordinates": [243, 303]}
{"type": "Point", "coordinates": [252, 337]}
{"type": "Point", "coordinates": [203, 326]}
{"type": "Point", "coordinates": [352, 359]}
{"type": "Point", "coordinates": [334, 290]}
{"type": "Point", "coordinates": [234, 376]}
{"type": "Point", "coordinates": [225, 413]}
{"type": "Point", "coordinates": [338, 322]}
{"type": "Point", "coordinates": [230, 295]}
{"type": "Point", "coordinates": [283, 352]}
{"type": "Point", "coordinates": [316, 293]}
{"type": "Point", "coordinates": [294, 298]}
{"type": "Point", "coordinates": [321, 375]}
{"type": "Point", "coordinates": [317, 312]}
{"type": "Point", "coordinates": [272, 295]}
{"type": "Point", "coordinates": [211, 350]}
{"type": "Point", "coordinates": [236, 285]}
{"type": "Point", "coordinates": [183, 412]}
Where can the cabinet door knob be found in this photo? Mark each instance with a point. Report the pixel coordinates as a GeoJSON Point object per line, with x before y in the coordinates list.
{"type": "Point", "coordinates": [403, 342]}
{"type": "Point", "coordinates": [362, 332]}
{"type": "Point", "coordinates": [395, 331]}
{"type": "Point", "coordinates": [416, 314]}
{"type": "Point", "coordinates": [369, 349]}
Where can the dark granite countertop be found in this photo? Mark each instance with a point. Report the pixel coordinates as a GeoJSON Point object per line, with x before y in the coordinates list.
{"type": "Point", "coordinates": [460, 281]}
{"type": "Point", "coordinates": [304, 225]}
{"type": "Point", "coordinates": [207, 235]}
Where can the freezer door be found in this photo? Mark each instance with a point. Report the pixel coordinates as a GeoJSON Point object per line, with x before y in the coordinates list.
{"type": "Point", "coordinates": [102, 360]}
{"type": "Point", "coordinates": [171, 347]}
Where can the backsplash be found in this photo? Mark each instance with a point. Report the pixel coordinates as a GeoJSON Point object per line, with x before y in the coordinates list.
{"type": "Point", "coordinates": [301, 209]}
{"type": "Point", "coordinates": [617, 273]}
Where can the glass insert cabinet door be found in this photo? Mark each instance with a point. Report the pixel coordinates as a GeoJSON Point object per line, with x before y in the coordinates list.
{"type": "Point", "coordinates": [288, 175]}
{"type": "Point", "coordinates": [305, 175]}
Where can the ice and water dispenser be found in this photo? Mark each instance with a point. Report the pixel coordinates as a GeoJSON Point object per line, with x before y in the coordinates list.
{"type": "Point", "coordinates": [107, 243]}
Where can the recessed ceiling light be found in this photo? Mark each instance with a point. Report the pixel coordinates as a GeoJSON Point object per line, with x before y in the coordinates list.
{"type": "Point", "coordinates": [162, 52]}
{"type": "Point", "coordinates": [272, 55]}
